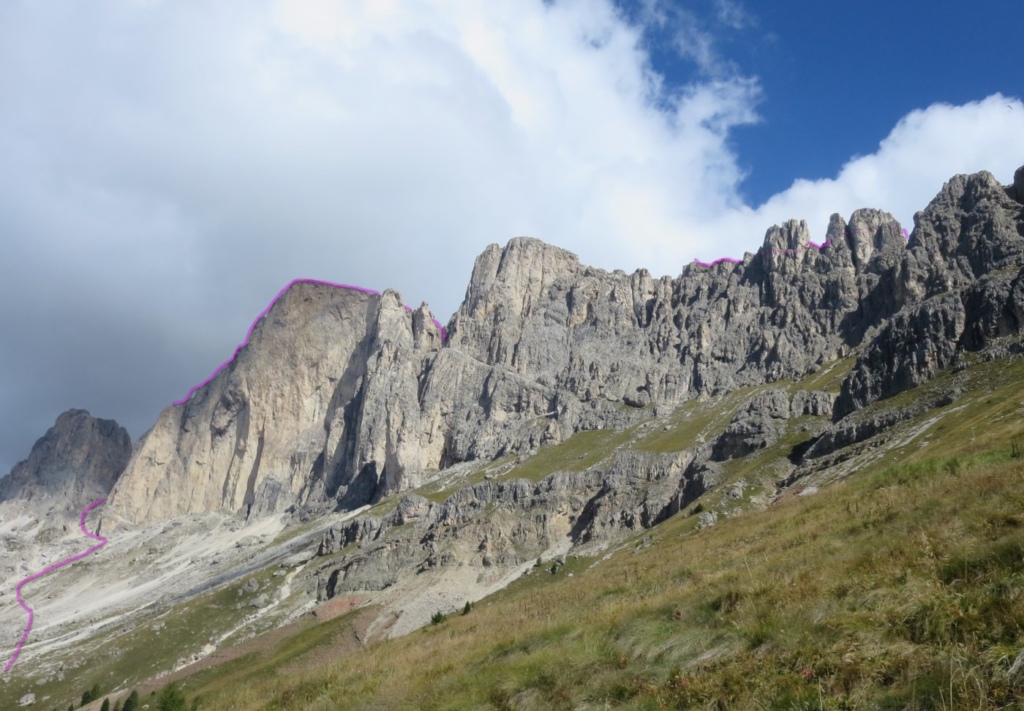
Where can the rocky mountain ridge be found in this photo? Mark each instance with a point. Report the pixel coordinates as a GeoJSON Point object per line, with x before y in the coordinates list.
{"type": "Point", "coordinates": [76, 462]}
{"type": "Point", "coordinates": [569, 409]}
{"type": "Point", "coordinates": [342, 398]}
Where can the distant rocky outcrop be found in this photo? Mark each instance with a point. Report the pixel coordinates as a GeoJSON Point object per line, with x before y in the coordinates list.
{"type": "Point", "coordinates": [758, 424]}
{"type": "Point", "coordinates": [77, 461]}
{"type": "Point", "coordinates": [341, 397]}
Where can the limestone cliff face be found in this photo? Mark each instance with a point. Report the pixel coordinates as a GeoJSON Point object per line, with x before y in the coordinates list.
{"type": "Point", "coordinates": [960, 284]}
{"type": "Point", "coordinates": [76, 462]}
{"type": "Point", "coordinates": [541, 336]}
{"type": "Point", "coordinates": [285, 422]}
{"type": "Point", "coordinates": [342, 397]}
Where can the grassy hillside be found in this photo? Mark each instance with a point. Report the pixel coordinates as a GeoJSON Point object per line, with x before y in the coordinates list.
{"type": "Point", "coordinates": [901, 587]}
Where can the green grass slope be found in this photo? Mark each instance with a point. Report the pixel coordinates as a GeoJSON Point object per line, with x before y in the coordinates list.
{"type": "Point", "coordinates": [899, 587]}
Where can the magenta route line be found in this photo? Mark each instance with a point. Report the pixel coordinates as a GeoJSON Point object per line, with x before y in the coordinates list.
{"type": "Point", "coordinates": [264, 312]}
{"type": "Point", "coordinates": [41, 573]}
{"type": "Point", "coordinates": [810, 244]}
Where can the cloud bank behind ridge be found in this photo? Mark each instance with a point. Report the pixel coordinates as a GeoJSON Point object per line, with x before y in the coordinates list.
{"type": "Point", "coordinates": [170, 166]}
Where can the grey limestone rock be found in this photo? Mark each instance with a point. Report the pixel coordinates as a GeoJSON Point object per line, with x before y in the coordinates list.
{"type": "Point", "coordinates": [297, 559]}
{"type": "Point", "coordinates": [706, 518]}
{"type": "Point", "coordinates": [1014, 673]}
{"type": "Point", "coordinates": [502, 524]}
{"type": "Point", "coordinates": [910, 349]}
{"type": "Point", "coordinates": [757, 424]}
{"type": "Point", "coordinates": [342, 397]}
{"type": "Point", "coordinates": [862, 426]}
{"type": "Point", "coordinates": [247, 542]}
{"type": "Point", "coordinates": [847, 433]}
{"type": "Point", "coordinates": [958, 284]}
{"type": "Point", "coordinates": [410, 508]}
{"type": "Point", "coordinates": [319, 406]}
{"type": "Point", "coordinates": [817, 403]}
{"type": "Point", "coordinates": [364, 528]}
{"type": "Point", "coordinates": [77, 461]}
{"type": "Point", "coordinates": [1016, 190]}
{"type": "Point", "coordinates": [639, 490]}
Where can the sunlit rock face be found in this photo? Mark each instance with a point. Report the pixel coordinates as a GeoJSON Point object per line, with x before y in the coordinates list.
{"type": "Point", "coordinates": [312, 409]}
{"type": "Point", "coordinates": [342, 397]}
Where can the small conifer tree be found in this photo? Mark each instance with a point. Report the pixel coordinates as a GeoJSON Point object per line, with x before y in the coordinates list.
{"type": "Point", "coordinates": [91, 694]}
{"type": "Point", "coordinates": [172, 698]}
{"type": "Point", "coordinates": [133, 701]}
{"type": "Point", "coordinates": [105, 706]}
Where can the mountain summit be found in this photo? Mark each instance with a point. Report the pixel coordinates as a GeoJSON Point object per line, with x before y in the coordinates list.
{"type": "Point", "coordinates": [76, 462]}
{"type": "Point", "coordinates": [342, 398]}
{"type": "Point", "coordinates": [303, 414]}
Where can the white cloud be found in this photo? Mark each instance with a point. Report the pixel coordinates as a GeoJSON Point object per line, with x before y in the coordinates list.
{"type": "Point", "coordinates": [733, 14]}
{"type": "Point", "coordinates": [925, 148]}
{"type": "Point", "coordinates": [169, 166]}
{"type": "Point", "coordinates": [690, 35]}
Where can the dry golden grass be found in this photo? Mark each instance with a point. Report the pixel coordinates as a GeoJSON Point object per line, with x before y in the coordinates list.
{"type": "Point", "coordinates": [900, 589]}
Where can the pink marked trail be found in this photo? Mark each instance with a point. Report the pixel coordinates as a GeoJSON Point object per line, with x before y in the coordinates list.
{"type": "Point", "coordinates": [444, 334]}
{"type": "Point", "coordinates": [41, 573]}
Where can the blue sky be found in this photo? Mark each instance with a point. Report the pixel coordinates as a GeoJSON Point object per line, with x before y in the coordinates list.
{"type": "Point", "coordinates": [168, 166]}
{"type": "Point", "coordinates": [837, 76]}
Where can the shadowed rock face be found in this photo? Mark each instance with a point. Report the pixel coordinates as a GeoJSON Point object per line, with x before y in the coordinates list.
{"type": "Point", "coordinates": [342, 397]}
{"type": "Point", "coordinates": [76, 462]}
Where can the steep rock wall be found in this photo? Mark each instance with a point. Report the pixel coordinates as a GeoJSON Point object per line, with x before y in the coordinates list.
{"type": "Point", "coordinates": [343, 397]}
{"type": "Point", "coordinates": [311, 409]}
